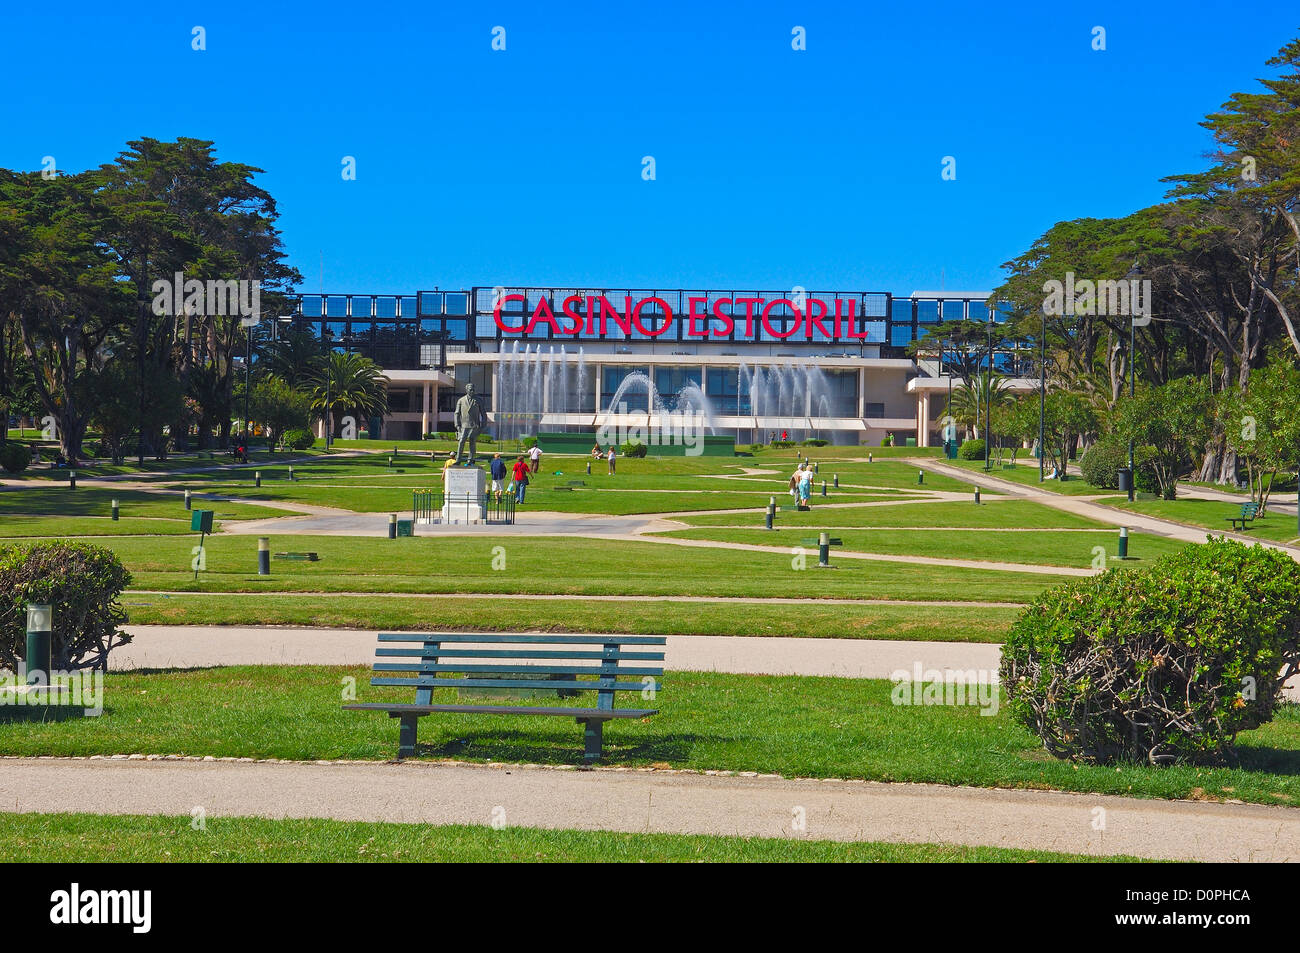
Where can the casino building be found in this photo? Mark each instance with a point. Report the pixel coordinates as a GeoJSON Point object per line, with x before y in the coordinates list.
{"type": "Point", "coordinates": [752, 363]}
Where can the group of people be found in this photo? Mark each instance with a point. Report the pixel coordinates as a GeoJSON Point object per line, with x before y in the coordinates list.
{"type": "Point", "coordinates": [524, 467]}
{"type": "Point", "coordinates": [801, 485]}
{"type": "Point", "coordinates": [597, 454]}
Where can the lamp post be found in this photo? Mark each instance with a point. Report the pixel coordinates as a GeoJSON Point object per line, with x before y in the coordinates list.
{"type": "Point", "coordinates": [988, 401]}
{"type": "Point", "coordinates": [248, 385]}
{"type": "Point", "coordinates": [1134, 274]}
{"type": "Point", "coordinates": [327, 335]}
{"type": "Point", "coordinates": [1042, 391]}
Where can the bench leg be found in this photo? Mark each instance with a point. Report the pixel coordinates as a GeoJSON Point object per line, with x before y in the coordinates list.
{"type": "Point", "coordinates": [406, 736]}
{"type": "Point", "coordinates": [592, 740]}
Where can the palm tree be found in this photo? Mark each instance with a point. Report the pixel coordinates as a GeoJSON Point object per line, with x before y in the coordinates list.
{"type": "Point", "coordinates": [294, 355]}
{"type": "Point", "coordinates": [349, 383]}
{"type": "Point", "coordinates": [968, 404]}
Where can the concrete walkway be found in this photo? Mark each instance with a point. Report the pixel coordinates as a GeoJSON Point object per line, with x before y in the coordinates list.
{"type": "Point", "coordinates": [655, 801]}
{"type": "Point", "coordinates": [181, 646]}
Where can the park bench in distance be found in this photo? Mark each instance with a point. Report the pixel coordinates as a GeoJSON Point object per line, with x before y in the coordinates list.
{"type": "Point", "coordinates": [434, 658]}
{"type": "Point", "coordinates": [1248, 511]}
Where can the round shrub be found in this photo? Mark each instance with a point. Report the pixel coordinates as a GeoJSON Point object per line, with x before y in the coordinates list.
{"type": "Point", "coordinates": [1157, 665]}
{"type": "Point", "coordinates": [15, 457]}
{"type": "Point", "coordinates": [1101, 463]}
{"type": "Point", "coordinates": [815, 442]}
{"type": "Point", "coordinates": [81, 583]}
{"type": "Point", "coordinates": [781, 444]}
{"type": "Point", "coordinates": [971, 450]}
{"type": "Point", "coordinates": [632, 449]}
{"type": "Point", "coordinates": [298, 438]}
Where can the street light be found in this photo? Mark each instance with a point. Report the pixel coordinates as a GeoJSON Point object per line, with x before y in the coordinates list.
{"type": "Point", "coordinates": [1042, 391]}
{"type": "Point", "coordinates": [327, 335]}
{"type": "Point", "coordinates": [1134, 275]}
{"type": "Point", "coordinates": [988, 401]}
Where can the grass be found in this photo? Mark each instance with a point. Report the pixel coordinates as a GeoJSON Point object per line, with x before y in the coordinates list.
{"type": "Point", "coordinates": [542, 564]}
{"type": "Point", "coordinates": [997, 514]}
{"type": "Point", "coordinates": [1073, 549]}
{"type": "Point", "coordinates": [823, 619]}
{"type": "Point", "coordinates": [1025, 472]}
{"type": "Point", "coordinates": [789, 725]}
{"type": "Point", "coordinates": [98, 501]}
{"type": "Point", "coordinates": [1211, 514]}
{"type": "Point", "coordinates": [57, 527]}
{"type": "Point", "coordinates": [91, 838]}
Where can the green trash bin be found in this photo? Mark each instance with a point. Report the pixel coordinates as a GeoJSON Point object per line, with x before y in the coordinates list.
{"type": "Point", "coordinates": [405, 528]}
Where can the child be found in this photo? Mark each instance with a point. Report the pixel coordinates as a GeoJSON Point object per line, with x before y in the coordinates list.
{"type": "Point", "coordinates": [610, 458]}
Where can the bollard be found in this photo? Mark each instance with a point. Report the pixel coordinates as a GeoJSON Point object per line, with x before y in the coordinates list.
{"type": "Point", "coordinates": [920, 477]}
{"type": "Point", "coordinates": [771, 510]}
{"type": "Point", "coordinates": [977, 496]}
{"type": "Point", "coordinates": [868, 458]}
{"type": "Point", "coordinates": [72, 479]}
{"type": "Point", "coordinates": [392, 526]}
{"type": "Point", "coordinates": [588, 468]}
{"type": "Point", "coordinates": [40, 624]}
{"type": "Point", "coordinates": [837, 481]}
{"type": "Point", "coordinates": [257, 478]}
{"type": "Point", "coordinates": [823, 487]}
{"type": "Point", "coordinates": [115, 511]}
{"type": "Point", "coordinates": [187, 499]}
{"type": "Point", "coordinates": [390, 463]}
{"type": "Point", "coordinates": [264, 555]}
{"type": "Point", "coordinates": [823, 550]}
{"type": "Point", "coordinates": [817, 467]}
{"type": "Point", "coordinates": [290, 474]}
{"type": "Point", "coordinates": [1123, 542]}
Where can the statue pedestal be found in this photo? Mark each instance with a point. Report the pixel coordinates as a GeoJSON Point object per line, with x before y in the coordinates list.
{"type": "Point", "coordinates": [463, 495]}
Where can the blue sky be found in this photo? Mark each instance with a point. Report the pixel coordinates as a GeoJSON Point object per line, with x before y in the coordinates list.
{"type": "Point", "coordinates": [774, 168]}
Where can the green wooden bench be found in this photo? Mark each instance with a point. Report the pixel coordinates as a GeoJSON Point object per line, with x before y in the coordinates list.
{"type": "Point", "coordinates": [1247, 514]}
{"type": "Point", "coordinates": [308, 557]}
{"type": "Point", "coordinates": [433, 660]}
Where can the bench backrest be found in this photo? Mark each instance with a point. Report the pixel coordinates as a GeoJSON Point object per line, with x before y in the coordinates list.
{"type": "Point", "coordinates": [431, 659]}
{"type": "Point", "coordinates": [1249, 510]}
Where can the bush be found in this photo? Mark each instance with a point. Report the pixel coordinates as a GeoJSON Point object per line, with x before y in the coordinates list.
{"type": "Point", "coordinates": [485, 438]}
{"type": "Point", "coordinates": [781, 444]}
{"type": "Point", "coordinates": [888, 440]}
{"type": "Point", "coordinates": [529, 443]}
{"type": "Point", "coordinates": [81, 583]}
{"type": "Point", "coordinates": [15, 457]}
{"type": "Point", "coordinates": [632, 449]}
{"type": "Point", "coordinates": [815, 442]}
{"type": "Point", "coordinates": [971, 450]}
{"type": "Point", "coordinates": [1101, 463]}
{"type": "Point", "coordinates": [1157, 665]}
{"type": "Point", "coordinates": [298, 439]}
{"type": "Point", "coordinates": [756, 447]}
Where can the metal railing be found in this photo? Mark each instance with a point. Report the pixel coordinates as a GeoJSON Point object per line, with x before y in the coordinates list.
{"type": "Point", "coordinates": [428, 506]}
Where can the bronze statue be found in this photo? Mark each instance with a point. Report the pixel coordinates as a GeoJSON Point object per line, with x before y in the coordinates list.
{"type": "Point", "coordinates": [470, 419]}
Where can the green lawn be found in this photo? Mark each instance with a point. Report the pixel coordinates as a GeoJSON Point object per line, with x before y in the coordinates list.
{"type": "Point", "coordinates": [1026, 472]}
{"type": "Point", "coordinates": [58, 527]}
{"type": "Point", "coordinates": [1211, 514]}
{"type": "Point", "coordinates": [542, 564]}
{"type": "Point", "coordinates": [792, 726]}
{"type": "Point", "coordinates": [1074, 549]}
{"type": "Point", "coordinates": [824, 619]}
{"type": "Point", "coordinates": [98, 501]}
{"type": "Point", "coordinates": [994, 514]}
{"type": "Point", "coordinates": [92, 838]}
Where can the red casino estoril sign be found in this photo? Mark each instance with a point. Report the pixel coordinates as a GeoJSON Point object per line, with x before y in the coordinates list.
{"type": "Point", "coordinates": [592, 315]}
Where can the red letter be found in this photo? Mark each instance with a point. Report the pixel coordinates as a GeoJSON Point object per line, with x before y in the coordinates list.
{"type": "Point", "coordinates": [749, 313]}
{"type": "Point", "coordinates": [636, 316]}
{"type": "Point", "coordinates": [544, 313]}
{"type": "Point", "coordinates": [717, 313]}
{"type": "Point", "coordinates": [496, 313]}
{"type": "Point", "coordinates": [606, 311]}
{"type": "Point", "coordinates": [798, 319]}
{"type": "Point", "coordinates": [845, 329]}
{"type": "Point", "coordinates": [567, 308]}
{"type": "Point", "coordinates": [815, 317]}
{"type": "Point", "coordinates": [692, 315]}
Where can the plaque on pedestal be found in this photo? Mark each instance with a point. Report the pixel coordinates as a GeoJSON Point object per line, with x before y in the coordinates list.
{"type": "Point", "coordinates": [463, 495]}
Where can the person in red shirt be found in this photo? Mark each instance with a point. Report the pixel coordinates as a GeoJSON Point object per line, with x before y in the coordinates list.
{"type": "Point", "coordinates": [520, 474]}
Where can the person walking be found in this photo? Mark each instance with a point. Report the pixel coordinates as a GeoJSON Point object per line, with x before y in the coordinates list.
{"type": "Point", "coordinates": [795, 479]}
{"type": "Point", "coordinates": [535, 454]}
{"type": "Point", "coordinates": [521, 479]}
{"type": "Point", "coordinates": [498, 470]}
{"type": "Point", "coordinates": [610, 459]}
{"type": "Point", "coordinates": [805, 488]}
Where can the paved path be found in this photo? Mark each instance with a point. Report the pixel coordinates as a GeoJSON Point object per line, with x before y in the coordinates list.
{"type": "Point", "coordinates": [1082, 506]}
{"type": "Point", "coordinates": [179, 646]}
{"type": "Point", "coordinates": [655, 801]}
